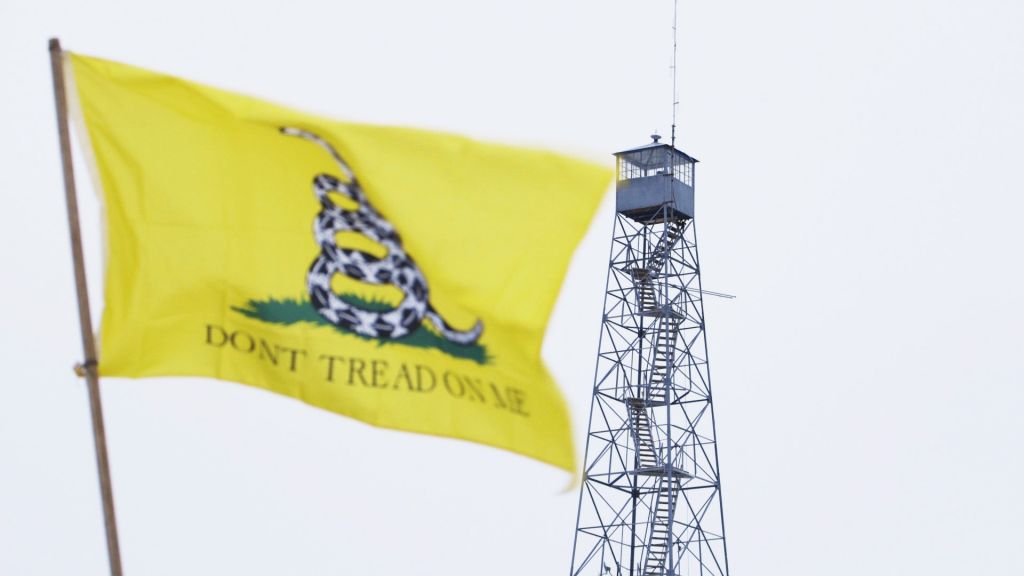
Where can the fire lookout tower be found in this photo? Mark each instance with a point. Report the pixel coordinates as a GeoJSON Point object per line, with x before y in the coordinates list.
{"type": "Point", "coordinates": [650, 502]}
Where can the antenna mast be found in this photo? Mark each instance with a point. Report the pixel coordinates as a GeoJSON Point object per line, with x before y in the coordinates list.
{"type": "Point", "coordinates": [675, 51]}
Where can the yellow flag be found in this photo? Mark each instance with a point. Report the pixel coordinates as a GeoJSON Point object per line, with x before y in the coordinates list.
{"type": "Point", "coordinates": [398, 276]}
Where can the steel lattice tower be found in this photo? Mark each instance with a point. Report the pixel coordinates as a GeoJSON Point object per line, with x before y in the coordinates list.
{"type": "Point", "coordinates": [650, 502]}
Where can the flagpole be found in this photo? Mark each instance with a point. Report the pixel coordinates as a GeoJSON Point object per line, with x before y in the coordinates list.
{"type": "Point", "coordinates": [89, 366]}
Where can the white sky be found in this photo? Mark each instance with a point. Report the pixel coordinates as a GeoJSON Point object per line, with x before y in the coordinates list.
{"type": "Point", "coordinates": [860, 190]}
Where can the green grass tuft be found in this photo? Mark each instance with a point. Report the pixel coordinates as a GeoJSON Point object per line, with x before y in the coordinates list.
{"type": "Point", "coordinates": [289, 311]}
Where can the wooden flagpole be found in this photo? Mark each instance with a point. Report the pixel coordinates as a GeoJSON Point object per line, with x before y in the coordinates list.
{"type": "Point", "coordinates": [89, 366]}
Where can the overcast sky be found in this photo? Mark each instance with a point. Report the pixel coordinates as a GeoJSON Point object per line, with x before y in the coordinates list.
{"type": "Point", "coordinates": [860, 190]}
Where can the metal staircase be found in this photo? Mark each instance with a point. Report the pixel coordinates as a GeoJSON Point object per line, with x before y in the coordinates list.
{"type": "Point", "coordinates": [673, 230]}
{"type": "Point", "coordinates": [658, 392]}
{"type": "Point", "coordinates": [659, 542]}
{"type": "Point", "coordinates": [640, 424]}
{"type": "Point", "coordinates": [659, 388]}
{"type": "Point", "coordinates": [643, 278]}
{"type": "Point", "coordinates": [646, 300]}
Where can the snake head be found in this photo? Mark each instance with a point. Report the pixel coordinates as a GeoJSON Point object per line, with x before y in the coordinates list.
{"type": "Point", "coordinates": [299, 132]}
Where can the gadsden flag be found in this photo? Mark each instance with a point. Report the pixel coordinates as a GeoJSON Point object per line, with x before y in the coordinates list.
{"type": "Point", "coordinates": [398, 276]}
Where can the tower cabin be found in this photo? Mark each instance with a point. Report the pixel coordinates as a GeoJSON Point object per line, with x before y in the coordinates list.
{"type": "Point", "coordinates": [654, 183]}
